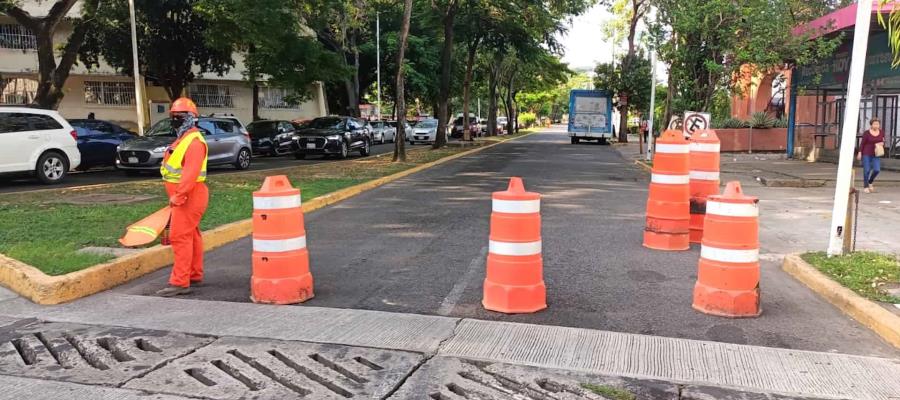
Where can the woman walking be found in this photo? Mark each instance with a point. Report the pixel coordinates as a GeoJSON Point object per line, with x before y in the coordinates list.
{"type": "Point", "coordinates": [871, 147]}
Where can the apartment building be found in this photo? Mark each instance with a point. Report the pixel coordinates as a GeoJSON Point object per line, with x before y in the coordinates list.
{"type": "Point", "coordinates": [111, 96]}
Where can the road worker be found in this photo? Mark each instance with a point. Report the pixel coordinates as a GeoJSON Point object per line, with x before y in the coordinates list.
{"type": "Point", "coordinates": [184, 172]}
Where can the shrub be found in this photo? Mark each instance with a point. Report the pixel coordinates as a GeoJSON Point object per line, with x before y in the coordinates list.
{"type": "Point", "coordinates": [780, 123]}
{"type": "Point", "coordinates": [527, 119]}
{"type": "Point", "coordinates": [734, 123]}
{"type": "Point", "coordinates": [761, 120]}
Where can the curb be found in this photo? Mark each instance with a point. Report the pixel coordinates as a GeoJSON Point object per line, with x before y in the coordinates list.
{"type": "Point", "coordinates": [881, 321]}
{"type": "Point", "coordinates": [643, 165]}
{"type": "Point", "coordinates": [33, 284]}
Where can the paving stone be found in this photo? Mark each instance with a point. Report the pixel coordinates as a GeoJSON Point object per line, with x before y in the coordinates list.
{"type": "Point", "coordinates": [242, 368]}
{"type": "Point", "coordinates": [87, 354]}
{"type": "Point", "coordinates": [18, 388]}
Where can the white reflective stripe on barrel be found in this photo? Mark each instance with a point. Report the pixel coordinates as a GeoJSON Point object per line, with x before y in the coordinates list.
{"type": "Point", "coordinates": [729, 255]}
{"type": "Point", "coordinates": [704, 175]}
{"type": "Point", "coordinates": [732, 209]}
{"type": "Point", "coordinates": [705, 147]}
{"type": "Point", "coordinates": [514, 249]}
{"type": "Point", "coordinates": [516, 206]}
{"type": "Point", "coordinates": [670, 179]}
{"type": "Point", "coordinates": [276, 203]}
{"type": "Point", "coordinates": [278, 246]}
{"type": "Point", "coordinates": [671, 148]}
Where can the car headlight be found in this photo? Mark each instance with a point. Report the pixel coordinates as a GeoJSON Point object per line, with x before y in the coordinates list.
{"type": "Point", "coordinates": [160, 149]}
{"type": "Point", "coordinates": [334, 137]}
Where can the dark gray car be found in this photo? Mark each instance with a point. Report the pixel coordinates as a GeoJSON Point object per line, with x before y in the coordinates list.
{"type": "Point", "coordinates": [224, 138]}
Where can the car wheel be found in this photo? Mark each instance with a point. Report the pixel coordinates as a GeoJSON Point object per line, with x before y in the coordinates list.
{"type": "Point", "coordinates": [345, 151]}
{"type": "Point", "coordinates": [366, 149]}
{"type": "Point", "coordinates": [51, 168]}
{"type": "Point", "coordinates": [300, 156]}
{"type": "Point", "coordinates": [574, 140]}
{"type": "Point", "coordinates": [243, 160]}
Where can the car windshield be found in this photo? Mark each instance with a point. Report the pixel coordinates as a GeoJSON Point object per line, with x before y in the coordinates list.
{"type": "Point", "coordinates": [427, 124]}
{"type": "Point", "coordinates": [326, 123]}
{"type": "Point", "coordinates": [262, 128]}
{"type": "Point", "coordinates": [378, 124]}
{"type": "Point", "coordinates": [162, 128]}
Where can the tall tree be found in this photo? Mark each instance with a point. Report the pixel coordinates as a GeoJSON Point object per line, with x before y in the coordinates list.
{"type": "Point", "coordinates": [399, 144]}
{"type": "Point", "coordinates": [634, 80]}
{"type": "Point", "coordinates": [170, 42]}
{"type": "Point", "coordinates": [629, 13]}
{"type": "Point", "coordinates": [52, 74]}
{"type": "Point", "coordinates": [447, 10]}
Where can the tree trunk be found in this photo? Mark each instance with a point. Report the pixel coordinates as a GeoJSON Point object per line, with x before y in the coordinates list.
{"type": "Point", "coordinates": [470, 63]}
{"type": "Point", "coordinates": [493, 82]}
{"type": "Point", "coordinates": [446, 68]}
{"type": "Point", "coordinates": [400, 104]}
{"type": "Point", "coordinates": [667, 115]}
{"type": "Point", "coordinates": [509, 104]}
{"type": "Point", "coordinates": [356, 95]}
{"type": "Point", "coordinates": [255, 101]}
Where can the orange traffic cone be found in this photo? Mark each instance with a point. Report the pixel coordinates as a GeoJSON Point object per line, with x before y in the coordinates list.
{"type": "Point", "coordinates": [280, 259]}
{"type": "Point", "coordinates": [668, 207]}
{"type": "Point", "coordinates": [514, 281]}
{"type": "Point", "coordinates": [704, 175]}
{"type": "Point", "coordinates": [728, 273]}
{"type": "Point", "coordinates": [147, 229]}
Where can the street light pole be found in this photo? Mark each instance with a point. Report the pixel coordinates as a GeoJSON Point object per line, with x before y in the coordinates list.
{"type": "Point", "coordinates": [650, 138]}
{"type": "Point", "coordinates": [848, 133]}
{"type": "Point", "coordinates": [378, 58]}
{"type": "Point", "coordinates": [138, 99]}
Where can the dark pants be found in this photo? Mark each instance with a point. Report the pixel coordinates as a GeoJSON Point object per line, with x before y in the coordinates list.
{"type": "Point", "coordinates": [871, 168]}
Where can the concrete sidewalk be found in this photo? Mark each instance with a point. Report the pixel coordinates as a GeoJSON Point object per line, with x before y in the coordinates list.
{"type": "Point", "coordinates": [408, 356]}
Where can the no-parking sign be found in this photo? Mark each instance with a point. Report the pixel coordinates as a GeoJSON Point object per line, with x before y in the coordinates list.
{"type": "Point", "coordinates": [694, 121]}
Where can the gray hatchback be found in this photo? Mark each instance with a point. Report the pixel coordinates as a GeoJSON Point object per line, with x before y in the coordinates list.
{"type": "Point", "coordinates": [227, 145]}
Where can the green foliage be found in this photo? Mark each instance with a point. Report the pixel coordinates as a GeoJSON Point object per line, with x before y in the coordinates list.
{"type": "Point", "coordinates": [527, 119]}
{"type": "Point", "coordinates": [864, 272]}
{"type": "Point", "coordinates": [731, 123]}
{"type": "Point", "coordinates": [761, 120]}
{"type": "Point", "coordinates": [627, 76]}
{"type": "Point", "coordinates": [609, 392]}
{"type": "Point", "coordinates": [170, 42]}
{"type": "Point", "coordinates": [781, 123]}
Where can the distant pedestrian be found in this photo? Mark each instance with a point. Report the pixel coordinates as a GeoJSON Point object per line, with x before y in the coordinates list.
{"type": "Point", "coordinates": [90, 115]}
{"type": "Point", "coordinates": [871, 147]}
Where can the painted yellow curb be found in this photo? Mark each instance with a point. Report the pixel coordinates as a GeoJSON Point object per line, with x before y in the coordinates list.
{"type": "Point", "coordinates": [41, 288]}
{"type": "Point", "coordinates": [643, 165]}
{"type": "Point", "coordinates": [883, 322]}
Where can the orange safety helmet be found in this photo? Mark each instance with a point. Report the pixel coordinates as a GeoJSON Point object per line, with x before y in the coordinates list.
{"type": "Point", "coordinates": [184, 104]}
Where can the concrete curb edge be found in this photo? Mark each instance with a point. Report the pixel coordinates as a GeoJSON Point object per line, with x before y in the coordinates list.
{"type": "Point", "coordinates": [41, 288]}
{"type": "Point", "coordinates": [881, 321]}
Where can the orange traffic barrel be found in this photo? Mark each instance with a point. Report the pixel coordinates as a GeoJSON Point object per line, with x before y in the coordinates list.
{"type": "Point", "coordinates": [668, 202]}
{"type": "Point", "coordinates": [728, 272]}
{"type": "Point", "coordinates": [704, 174]}
{"type": "Point", "coordinates": [515, 281]}
{"type": "Point", "coordinates": [280, 258]}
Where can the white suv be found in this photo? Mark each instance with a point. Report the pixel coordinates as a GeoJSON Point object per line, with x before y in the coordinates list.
{"type": "Point", "coordinates": [37, 141]}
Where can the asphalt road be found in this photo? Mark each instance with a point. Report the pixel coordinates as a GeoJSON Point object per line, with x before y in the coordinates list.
{"type": "Point", "coordinates": [13, 184]}
{"type": "Point", "coordinates": [418, 246]}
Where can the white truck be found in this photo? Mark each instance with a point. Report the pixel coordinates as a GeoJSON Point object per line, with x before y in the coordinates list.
{"type": "Point", "coordinates": [590, 115]}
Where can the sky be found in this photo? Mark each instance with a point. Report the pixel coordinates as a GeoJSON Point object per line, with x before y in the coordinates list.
{"type": "Point", "coordinates": [585, 42]}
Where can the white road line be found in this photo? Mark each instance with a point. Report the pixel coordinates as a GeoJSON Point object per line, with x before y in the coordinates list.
{"type": "Point", "coordinates": [453, 297]}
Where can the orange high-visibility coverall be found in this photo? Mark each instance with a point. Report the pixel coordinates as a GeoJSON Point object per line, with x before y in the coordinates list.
{"type": "Point", "coordinates": [189, 200]}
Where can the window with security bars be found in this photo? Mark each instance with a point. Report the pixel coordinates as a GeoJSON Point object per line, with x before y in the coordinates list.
{"type": "Point", "coordinates": [209, 95]}
{"type": "Point", "coordinates": [15, 36]}
{"type": "Point", "coordinates": [270, 97]}
{"type": "Point", "coordinates": [17, 90]}
{"type": "Point", "coordinates": [109, 93]}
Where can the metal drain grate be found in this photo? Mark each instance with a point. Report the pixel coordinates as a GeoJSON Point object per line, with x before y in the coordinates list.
{"type": "Point", "coordinates": [88, 354]}
{"type": "Point", "coordinates": [237, 368]}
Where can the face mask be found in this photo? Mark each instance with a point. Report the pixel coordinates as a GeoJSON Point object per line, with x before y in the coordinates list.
{"type": "Point", "coordinates": [182, 122]}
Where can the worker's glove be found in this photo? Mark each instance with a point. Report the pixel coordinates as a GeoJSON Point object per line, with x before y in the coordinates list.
{"type": "Point", "coordinates": [176, 201]}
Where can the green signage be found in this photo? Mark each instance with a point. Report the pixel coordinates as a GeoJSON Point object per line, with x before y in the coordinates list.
{"type": "Point", "coordinates": [832, 72]}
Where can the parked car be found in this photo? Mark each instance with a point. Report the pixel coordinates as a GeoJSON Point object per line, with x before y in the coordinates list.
{"type": "Point", "coordinates": [425, 131]}
{"type": "Point", "coordinates": [333, 136]}
{"type": "Point", "coordinates": [271, 137]}
{"type": "Point", "coordinates": [457, 130]}
{"type": "Point", "coordinates": [384, 132]}
{"type": "Point", "coordinates": [39, 142]}
{"type": "Point", "coordinates": [225, 141]}
{"type": "Point", "coordinates": [407, 129]}
{"type": "Point", "coordinates": [97, 141]}
{"type": "Point", "coordinates": [501, 125]}
{"type": "Point", "coordinates": [229, 116]}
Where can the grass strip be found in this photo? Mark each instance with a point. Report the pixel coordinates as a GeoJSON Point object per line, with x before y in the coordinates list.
{"type": "Point", "coordinates": [609, 392]}
{"type": "Point", "coordinates": [866, 273]}
{"type": "Point", "coordinates": [45, 229]}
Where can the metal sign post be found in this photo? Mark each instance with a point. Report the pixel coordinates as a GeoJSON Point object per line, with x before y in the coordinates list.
{"type": "Point", "coordinates": [138, 99]}
{"type": "Point", "coordinates": [848, 134]}
{"type": "Point", "coordinates": [650, 137]}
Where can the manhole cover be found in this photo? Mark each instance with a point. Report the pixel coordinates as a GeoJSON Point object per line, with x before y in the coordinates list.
{"type": "Point", "coordinates": [238, 368]}
{"type": "Point", "coordinates": [88, 354]}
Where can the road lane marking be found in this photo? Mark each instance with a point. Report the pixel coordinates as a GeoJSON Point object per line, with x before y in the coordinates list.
{"type": "Point", "coordinates": [455, 294]}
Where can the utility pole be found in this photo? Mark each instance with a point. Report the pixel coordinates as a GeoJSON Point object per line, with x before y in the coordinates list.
{"type": "Point", "coordinates": [378, 58]}
{"type": "Point", "coordinates": [138, 99]}
{"type": "Point", "coordinates": [650, 138]}
{"type": "Point", "coordinates": [848, 133]}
